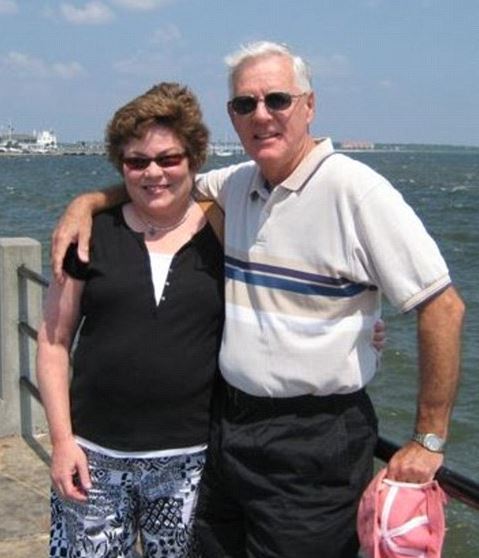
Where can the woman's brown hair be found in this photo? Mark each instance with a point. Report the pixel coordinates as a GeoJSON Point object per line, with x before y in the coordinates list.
{"type": "Point", "coordinates": [169, 104]}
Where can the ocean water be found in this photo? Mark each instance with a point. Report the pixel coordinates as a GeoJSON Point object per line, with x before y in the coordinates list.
{"type": "Point", "coordinates": [443, 188]}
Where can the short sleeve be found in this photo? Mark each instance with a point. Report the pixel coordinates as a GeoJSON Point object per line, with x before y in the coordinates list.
{"type": "Point", "coordinates": [399, 253]}
{"type": "Point", "coordinates": [214, 184]}
{"type": "Point", "coordinates": [72, 264]}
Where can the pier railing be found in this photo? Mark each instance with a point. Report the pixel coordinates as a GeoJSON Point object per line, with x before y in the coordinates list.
{"type": "Point", "coordinates": [21, 295]}
{"type": "Point", "coordinates": [21, 285]}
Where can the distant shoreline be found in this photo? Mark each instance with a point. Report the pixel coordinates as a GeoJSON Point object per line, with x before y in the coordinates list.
{"type": "Point", "coordinates": [85, 149]}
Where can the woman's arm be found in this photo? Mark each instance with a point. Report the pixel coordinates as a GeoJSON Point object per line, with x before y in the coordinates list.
{"type": "Point", "coordinates": [76, 222]}
{"type": "Point", "coordinates": [69, 468]}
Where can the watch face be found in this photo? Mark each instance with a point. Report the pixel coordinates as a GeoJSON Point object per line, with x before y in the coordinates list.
{"type": "Point", "coordinates": [430, 441]}
{"type": "Point", "coordinates": [433, 442]}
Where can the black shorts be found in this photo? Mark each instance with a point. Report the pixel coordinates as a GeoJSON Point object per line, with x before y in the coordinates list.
{"type": "Point", "coordinates": [284, 476]}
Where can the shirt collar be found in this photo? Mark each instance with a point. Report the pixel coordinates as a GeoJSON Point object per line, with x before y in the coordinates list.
{"type": "Point", "coordinates": [301, 174]}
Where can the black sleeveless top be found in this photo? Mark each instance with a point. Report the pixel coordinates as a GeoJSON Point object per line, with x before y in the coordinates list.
{"type": "Point", "coordinates": [143, 373]}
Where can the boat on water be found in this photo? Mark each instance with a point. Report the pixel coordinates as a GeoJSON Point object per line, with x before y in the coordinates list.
{"type": "Point", "coordinates": [225, 148]}
{"type": "Point", "coordinates": [222, 152]}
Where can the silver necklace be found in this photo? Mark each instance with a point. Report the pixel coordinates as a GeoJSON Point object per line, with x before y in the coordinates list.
{"type": "Point", "coordinates": [152, 228]}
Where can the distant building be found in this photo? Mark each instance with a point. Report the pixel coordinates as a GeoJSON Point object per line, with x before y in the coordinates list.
{"type": "Point", "coordinates": [37, 142]}
{"type": "Point", "coordinates": [356, 145]}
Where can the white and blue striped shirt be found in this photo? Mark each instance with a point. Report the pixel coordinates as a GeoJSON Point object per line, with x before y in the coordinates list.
{"type": "Point", "coordinates": [306, 265]}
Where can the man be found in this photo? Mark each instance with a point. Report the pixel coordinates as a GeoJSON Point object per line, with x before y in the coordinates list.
{"type": "Point", "coordinates": [312, 240]}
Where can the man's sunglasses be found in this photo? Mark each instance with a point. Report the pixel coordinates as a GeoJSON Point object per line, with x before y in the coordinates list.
{"type": "Point", "coordinates": [276, 100]}
{"type": "Point", "coordinates": [163, 161]}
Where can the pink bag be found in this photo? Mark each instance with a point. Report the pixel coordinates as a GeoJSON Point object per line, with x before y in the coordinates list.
{"type": "Point", "coordinates": [398, 519]}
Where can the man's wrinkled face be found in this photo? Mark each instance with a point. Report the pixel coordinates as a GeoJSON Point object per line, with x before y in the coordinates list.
{"type": "Point", "coordinates": [276, 139]}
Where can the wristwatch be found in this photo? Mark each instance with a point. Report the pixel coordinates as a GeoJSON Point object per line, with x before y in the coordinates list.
{"type": "Point", "coordinates": [430, 441]}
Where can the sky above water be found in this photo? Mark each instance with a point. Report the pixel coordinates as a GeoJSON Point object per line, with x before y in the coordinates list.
{"type": "Point", "coordinates": [404, 71]}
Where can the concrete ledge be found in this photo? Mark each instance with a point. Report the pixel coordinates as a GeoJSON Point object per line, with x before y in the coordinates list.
{"type": "Point", "coordinates": [16, 354]}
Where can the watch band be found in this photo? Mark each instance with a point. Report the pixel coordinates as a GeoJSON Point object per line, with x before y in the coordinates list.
{"type": "Point", "coordinates": [430, 441]}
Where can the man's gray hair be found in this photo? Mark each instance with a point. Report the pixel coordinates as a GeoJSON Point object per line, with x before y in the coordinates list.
{"type": "Point", "coordinates": [260, 49]}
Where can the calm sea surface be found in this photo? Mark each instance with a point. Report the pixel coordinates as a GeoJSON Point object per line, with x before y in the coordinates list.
{"type": "Point", "coordinates": [444, 190]}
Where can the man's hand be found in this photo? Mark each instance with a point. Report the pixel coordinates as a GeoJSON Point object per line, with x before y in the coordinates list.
{"type": "Point", "coordinates": [74, 226]}
{"type": "Point", "coordinates": [76, 223]}
{"type": "Point", "coordinates": [379, 335]}
{"type": "Point", "coordinates": [413, 463]}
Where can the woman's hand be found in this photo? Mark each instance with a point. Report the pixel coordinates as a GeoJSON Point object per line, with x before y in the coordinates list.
{"type": "Point", "coordinates": [69, 471]}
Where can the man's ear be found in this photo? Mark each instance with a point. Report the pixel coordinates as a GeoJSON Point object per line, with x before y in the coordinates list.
{"type": "Point", "coordinates": [311, 106]}
{"type": "Point", "coordinates": [231, 112]}
{"type": "Point", "coordinates": [232, 115]}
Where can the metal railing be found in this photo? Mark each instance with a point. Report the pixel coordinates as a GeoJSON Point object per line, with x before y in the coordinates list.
{"type": "Point", "coordinates": [457, 486]}
{"type": "Point", "coordinates": [26, 332]}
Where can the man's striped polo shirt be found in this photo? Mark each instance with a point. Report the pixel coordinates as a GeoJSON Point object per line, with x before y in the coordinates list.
{"type": "Point", "coordinates": [306, 265]}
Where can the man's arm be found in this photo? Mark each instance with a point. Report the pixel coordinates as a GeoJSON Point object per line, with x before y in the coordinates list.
{"type": "Point", "coordinates": [76, 222]}
{"type": "Point", "coordinates": [439, 331]}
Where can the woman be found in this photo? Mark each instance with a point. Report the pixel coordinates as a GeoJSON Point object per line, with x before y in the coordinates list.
{"type": "Point", "coordinates": [129, 435]}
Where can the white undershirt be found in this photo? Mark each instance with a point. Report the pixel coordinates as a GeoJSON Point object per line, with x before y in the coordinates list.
{"type": "Point", "coordinates": [160, 265]}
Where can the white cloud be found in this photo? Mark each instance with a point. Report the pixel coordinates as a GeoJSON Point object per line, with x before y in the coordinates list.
{"type": "Point", "coordinates": [49, 13]}
{"type": "Point", "coordinates": [143, 5]}
{"type": "Point", "coordinates": [137, 65]}
{"type": "Point", "coordinates": [149, 65]}
{"type": "Point", "coordinates": [334, 66]}
{"type": "Point", "coordinates": [166, 35]}
{"type": "Point", "coordinates": [8, 7]}
{"type": "Point", "coordinates": [92, 13]}
{"type": "Point", "coordinates": [68, 71]}
{"type": "Point", "coordinates": [386, 84]}
{"type": "Point", "coordinates": [24, 65]}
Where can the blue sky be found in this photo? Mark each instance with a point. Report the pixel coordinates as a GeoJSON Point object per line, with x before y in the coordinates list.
{"type": "Point", "coordinates": [384, 70]}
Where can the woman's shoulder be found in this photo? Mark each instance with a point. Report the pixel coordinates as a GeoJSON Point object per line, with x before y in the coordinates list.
{"type": "Point", "coordinates": [109, 218]}
{"type": "Point", "coordinates": [109, 214]}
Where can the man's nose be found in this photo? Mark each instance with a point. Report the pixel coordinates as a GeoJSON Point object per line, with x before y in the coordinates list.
{"type": "Point", "coordinates": [261, 111]}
